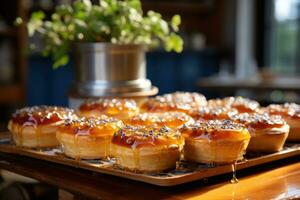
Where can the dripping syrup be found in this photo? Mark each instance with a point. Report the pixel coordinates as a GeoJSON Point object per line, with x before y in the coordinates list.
{"type": "Point", "coordinates": [78, 156]}
{"type": "Point", "coordinates": [38, 136]}
{"type": "Point", "coordinates": [234, 179]}
{"type": "Point", "coordinates": [136, 157]}
{"type": "Point", "coordinates": [20, 135]}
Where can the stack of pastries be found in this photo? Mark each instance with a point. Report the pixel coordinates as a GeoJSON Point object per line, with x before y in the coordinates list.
{"type": "Point", "coordinates": [160, 131]}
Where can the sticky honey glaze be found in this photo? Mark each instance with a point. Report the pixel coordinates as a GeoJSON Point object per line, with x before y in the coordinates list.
{"type": "Point", "coordinates": [36, 116]}
{"type": "Point", "coordinates": [243, 105]}
{"type": "Point", "coordinates": [155, 144]}
{"type": "Point", "coordinates": [93, 128]}
{"type": "Point", "coordinates": [138, 137]}
{"type": "Point", "coordinates": [215, 130]}
{"type": "Point", "coordinates": [287, 110]}
{"type": "Point", "coordinates": [255, 122]}
{"type": "Point", "coordinates": [110, 107]}
{"type": "Point", "coordinates": [234, 179]}
{"type": "Point", "coordinates": [178, 101]}
{"type": "Point", "coordinates": [41, 115]}
{"type": "Point", "coordinates": [170, 119]}
{"type": "Point", "coordinates": [212, 113]}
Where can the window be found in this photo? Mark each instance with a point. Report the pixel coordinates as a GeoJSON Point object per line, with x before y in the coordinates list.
{"type": "Point", "coordinates": [283, 48]}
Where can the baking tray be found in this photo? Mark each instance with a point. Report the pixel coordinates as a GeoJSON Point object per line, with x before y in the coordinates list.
{"type": "Point", "coordinates": [184, 173]}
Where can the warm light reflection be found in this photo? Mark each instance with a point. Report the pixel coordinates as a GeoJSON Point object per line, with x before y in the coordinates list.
{"type": "Point", "coordinates": [279, 183]}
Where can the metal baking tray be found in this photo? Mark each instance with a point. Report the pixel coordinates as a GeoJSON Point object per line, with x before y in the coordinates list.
{"type": "Point", "coordinates": [184, 173]}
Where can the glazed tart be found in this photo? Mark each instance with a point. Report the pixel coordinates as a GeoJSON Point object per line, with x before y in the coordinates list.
{"type": "Point", "coordinates": [170, 119]}
{"type": "Point", "coordinates": [290, 112]}
{"type": "Point", "coordinates": [243, 105]}
{"type": "Point", "coordinates": [87, 138]}
{"type": "Point", "coordinates": [212, 113]}
{"type": "Point", "coordinates": [178, 101]}
{"type": "Point", "coordinates": [268, 133]}
{"type": "Point", "coordinates": [122, 109]}
{"type": "Point", "coordinates": [36, 126]}
{"type": "Point", "coordinates": [146, 149]}
{"type": "Point", "coordinates": [215, 141]}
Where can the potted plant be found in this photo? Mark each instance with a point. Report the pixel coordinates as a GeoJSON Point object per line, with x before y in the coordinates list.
{"type": "Point", "coordinates": [108, 41]}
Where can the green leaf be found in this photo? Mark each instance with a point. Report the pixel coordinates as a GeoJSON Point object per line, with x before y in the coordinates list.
{"type": "Point", "coordinates": [136, 5]}
{"type": "Point", "coordinates": [175, 22]}
{"type": "Point", "coordinates": [61, 61]}
{"type": "Point", "coordinates": [178, 43]}
{"type": "Point", "coordinates": [38, 15]}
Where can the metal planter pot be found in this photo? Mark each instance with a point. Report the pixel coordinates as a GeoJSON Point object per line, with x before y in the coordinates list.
{"type": "Point", "coordinates": [108, 70]}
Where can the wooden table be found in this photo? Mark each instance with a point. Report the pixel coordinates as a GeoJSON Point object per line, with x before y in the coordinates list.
{"type": "Point", "coordinates": [280, 179]}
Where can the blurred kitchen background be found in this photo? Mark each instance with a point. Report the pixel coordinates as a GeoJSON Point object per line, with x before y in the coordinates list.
{"type": "Point", "coordinates": [232, 47]}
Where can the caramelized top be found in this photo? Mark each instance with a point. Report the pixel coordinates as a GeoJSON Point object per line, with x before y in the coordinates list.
{"type": "Point", "coordinates": [296, 115]}
{"type": "Point", "coordinates": [110, 107]}
{"type": "Point", "coordinates": [211, 113]}
{"type": "Point", "coordinates": [290, 110]}
{"type": "Point", "coordinates": [92, 126]}
{"type": "Point", "coordinates": [170, 119]}
{"type": "Point", "coordinates": [139, 137]}
{"type": "Point", "coordinates": [259, 121]}
{"type": "Point", "coordinates": [215, 130]}
{"type": "Point", "coordinates": [42, 115]}
{"type": "Point", "coordinates": [178, 101]}
{"type": "Point", "coordinates": [240, 103]}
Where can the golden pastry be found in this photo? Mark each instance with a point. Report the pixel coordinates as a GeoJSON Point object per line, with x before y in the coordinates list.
{"type": "Point", "coordinates": [290, 112]}
{"type": "Point", "coordinates": [215, 141]}
{"type": "Point", "coordinates": [87, 138]}
{"type": "Point", "coordinates": [212, 113]}
{"type": "Point", "coordinates": [147, 149]}
{"type": "Point", "coordinates": [243, 105]}
{"type": "Point", "coordinates": [170, 119]}
{"type": "Point", "coordinates": [268, 133]}
{"type": "Point", "coordinates": [122, 109]}
{"type": "Point", "coordinates": [36, 126]}
{"type": "Point", "coordinates": [178, 101]}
